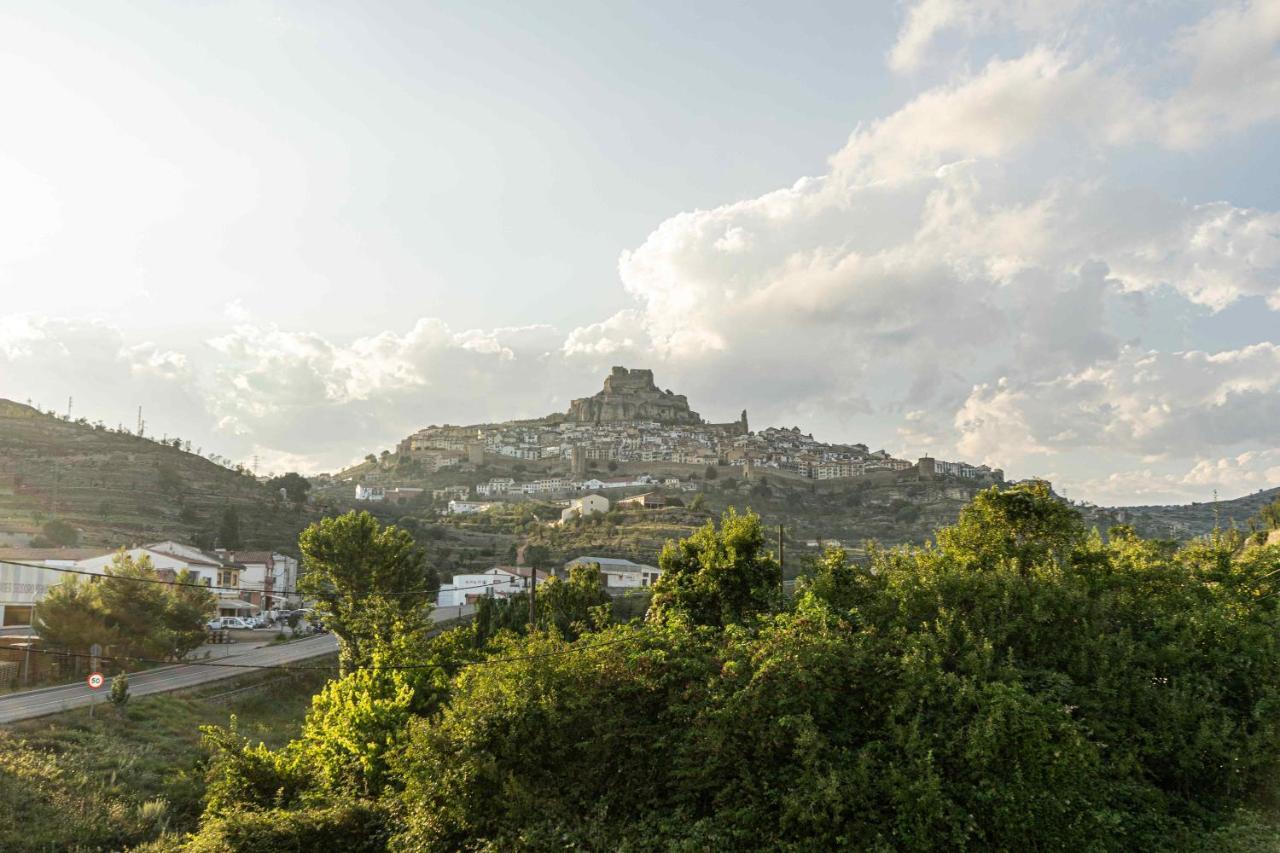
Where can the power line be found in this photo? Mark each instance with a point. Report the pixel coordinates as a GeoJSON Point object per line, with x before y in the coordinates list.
{"type": "Point", "coordinates": [273, 591]}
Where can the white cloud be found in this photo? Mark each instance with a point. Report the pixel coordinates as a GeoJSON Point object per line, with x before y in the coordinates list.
{"type": "Point", "coordinates": [974, 234]}
{"type": "Point", "coordinates": [1148, 403]}
{"type": "Point", "coordinates": [47, 360]}
{"type": "Point", "coordinates": [1005, 107]}
{"type": "Point", "coordinates": [1234, 79]}
{"type": "Point", "coordinates": [927, 19]}
{"type": "Point", "coordinates": [329, 402]}
{"type": "Point", "coordinates": [1213, 254]}
{"type": "Point", "coordinates": [1229, 476]}
{"type": "Point", "coordinates": [1182, 88]}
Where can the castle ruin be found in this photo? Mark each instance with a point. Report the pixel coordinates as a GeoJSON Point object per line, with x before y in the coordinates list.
{"type": "Point", "coordinates": [631, 395]}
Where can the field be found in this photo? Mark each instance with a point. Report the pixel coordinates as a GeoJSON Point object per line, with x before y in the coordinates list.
{"type": "Point", "coordinates": [71, 782]}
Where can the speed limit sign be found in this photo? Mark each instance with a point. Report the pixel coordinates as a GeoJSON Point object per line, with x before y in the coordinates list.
{"type": "Point", "coordinates": [96, 680]}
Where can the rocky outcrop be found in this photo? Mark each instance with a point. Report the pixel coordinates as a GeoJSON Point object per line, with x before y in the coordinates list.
{"type": "Point", "coordinates": [630, 395]}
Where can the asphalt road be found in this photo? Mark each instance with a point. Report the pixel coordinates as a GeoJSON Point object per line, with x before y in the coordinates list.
{"type": "Point", "coordinates": [51, 700]}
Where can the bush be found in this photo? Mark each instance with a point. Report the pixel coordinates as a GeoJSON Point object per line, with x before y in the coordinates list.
{"type": "Point", "coordinates": [119, 690]}
{"type": "Point", "coordinates": [353, 827]}
{"type": "Point", "coordinates": [1021, 685]}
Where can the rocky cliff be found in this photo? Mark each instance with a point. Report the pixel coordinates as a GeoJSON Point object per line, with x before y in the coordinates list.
{"type": "Point", "coordinates": [630, 395]}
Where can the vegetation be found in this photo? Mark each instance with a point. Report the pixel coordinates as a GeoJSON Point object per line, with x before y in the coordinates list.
{"type": "Point", "coordinates": [126, 613]}
{"type": "Point", "coordinates": [129, 774]}
{"type": "Point", "coordinates": [56, 534]}
{"type": "Point", "coordinates": [107, 486]}
{"type": "Point", "coordinates": [1022, 683]}
{"type": "Point", "coordinates": [119, 690]}
{"type": "Point", "coordinates": [369, 583]}
{"type": "Point", "coordinates": [295, 486]}
{"type": "Point", "coordinates": [229, 529]}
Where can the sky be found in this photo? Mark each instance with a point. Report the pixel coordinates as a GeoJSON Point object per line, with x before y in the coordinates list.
{"type": "Point", "coordinates": [1043, 236]}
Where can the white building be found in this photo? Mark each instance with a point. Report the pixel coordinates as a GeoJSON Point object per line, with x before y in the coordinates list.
{"type": "Point", "coordinates": [22, 586]}
{"type": "Point", "coordinates": [497, 582]}
{"type": "Point", "coordinates": [496, 487]}
{"type": "Point", "coordinates": [370, 493]}
{"type": "Point", "coordinates": [207, 568]}
{"type": "Point", "coordinates": [619, 573]}
{"type": "Point", "coordinates": [549, 485]}
{"type": "Point", "coordinates": [585, 506]}
{"type": "Point", "coordinates": [469, 507]}
{"type": "Point", "coordinates": [261, 582]}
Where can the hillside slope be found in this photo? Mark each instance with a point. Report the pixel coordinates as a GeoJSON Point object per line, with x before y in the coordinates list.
{"type": "Point", "coordinates": [117, 488]}
{"type": "Point", "coordinates": [1184, 521]}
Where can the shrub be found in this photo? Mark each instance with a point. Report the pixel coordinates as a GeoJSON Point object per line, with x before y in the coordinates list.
{"type": "Point", "coordinates": [352, 827]}
{"type": "Point", "coordinates": [119, 690]}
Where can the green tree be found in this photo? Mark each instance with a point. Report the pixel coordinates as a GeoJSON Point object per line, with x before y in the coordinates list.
{"type": "Point", "coordinates": [1269, 515]}
{"type": "Point", "coordinates": [57, 534]}
{"type": "Point", "coordinates": [150, 619]}
{"type": "Point", "coordinates": [294, 484]}
{"type": "Point", "coordinates": [229, 529]}
{"type": "Point", "coordinates": [356, 723]}
{"type": "Point", "coordinates": [1018, 527]}
{"type": "Point", "coordinates": [538, 556]}
{"type": "Point", "coordinates": [187, 610]}
{"type": "Point", "coordinates": [359, 573]}
{"type": "Point", "coordinates": [836, 581]}
{"type": "Point", "coordinates": [575, 605]}
{"type": "Point", "coordinates": [128, 611]}
{"type": "Point", "coordinates": [70, 616]}
{"type": "Point", "coordinates": [718, 577]}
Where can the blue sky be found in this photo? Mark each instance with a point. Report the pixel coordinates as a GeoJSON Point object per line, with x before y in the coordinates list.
{"type": "Point", "coordinates": [1042, 235]}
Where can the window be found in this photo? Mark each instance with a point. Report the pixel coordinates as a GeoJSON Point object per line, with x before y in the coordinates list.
{"type": "Point", "coordinates": [17, 614]}
{"type": "Point", "coordinates": [228, 578]}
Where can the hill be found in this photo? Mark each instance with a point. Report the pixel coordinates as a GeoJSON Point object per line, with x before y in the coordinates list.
{"type": "Point", "coordinates": [1184, 521]}
{"type": "Point", "coordinates": [896, 508]}
{"type": "Point", "coordinates": [118, 488]}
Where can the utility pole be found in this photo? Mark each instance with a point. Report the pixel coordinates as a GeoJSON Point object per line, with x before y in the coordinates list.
{"type": "Point", "coordinates": [782, 554]}
{"type": "Point", "coordinates": [533, 596]}
{"type": "Point", "coordinates": [26, 667]}
{"type": "Point", "coordinates": [69, 408]}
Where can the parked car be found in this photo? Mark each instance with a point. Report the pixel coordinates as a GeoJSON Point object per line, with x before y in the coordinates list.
{"type": "Point", "coordinates": [221, 623]}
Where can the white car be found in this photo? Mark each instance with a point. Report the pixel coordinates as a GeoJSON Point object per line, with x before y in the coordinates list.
{"type": "Point", "coordinates": [220, 623]}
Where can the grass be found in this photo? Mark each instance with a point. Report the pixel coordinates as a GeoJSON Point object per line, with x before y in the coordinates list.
{"type": "Point", "coordinates": [71, 782]}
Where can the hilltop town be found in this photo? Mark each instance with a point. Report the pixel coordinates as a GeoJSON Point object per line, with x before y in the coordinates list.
{"type": "Point", "coordinates": [631, 422]}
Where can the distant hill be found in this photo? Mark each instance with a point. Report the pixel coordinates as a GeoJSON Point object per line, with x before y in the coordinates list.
{"type": "Point", "coordinates": [1184, 521]}
{"type": "Point", "coordinates": [117, 488]}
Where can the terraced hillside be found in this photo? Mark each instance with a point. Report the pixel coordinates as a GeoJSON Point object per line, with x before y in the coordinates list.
{"type": "Point", "coordinates": [117, 488]}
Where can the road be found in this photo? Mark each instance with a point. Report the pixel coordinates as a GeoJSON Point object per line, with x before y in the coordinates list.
{"type": "Point", "coordinates": [51, 700]}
